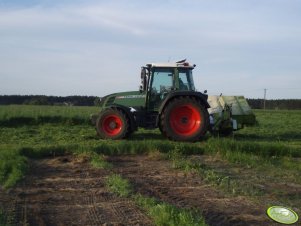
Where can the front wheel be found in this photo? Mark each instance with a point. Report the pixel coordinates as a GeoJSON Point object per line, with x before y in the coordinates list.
{"type": "Point", "coordinates": [184, 119]}
{"type": "Point", "coordinates": [112, 124]}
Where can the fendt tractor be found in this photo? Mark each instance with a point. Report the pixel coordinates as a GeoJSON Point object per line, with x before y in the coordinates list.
{"type": "Point", "coordinates": [167, 99]}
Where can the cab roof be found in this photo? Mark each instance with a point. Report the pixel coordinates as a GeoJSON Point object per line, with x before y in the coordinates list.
{"type": "Point", "coordinates": [180, 64]}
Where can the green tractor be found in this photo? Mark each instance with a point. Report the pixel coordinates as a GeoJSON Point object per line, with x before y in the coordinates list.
{"type": "Point", "coordinates": [167, 100]}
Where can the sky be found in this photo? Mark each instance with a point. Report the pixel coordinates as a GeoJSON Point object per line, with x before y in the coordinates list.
{"type": "Point", "coordinates": [94, 48]}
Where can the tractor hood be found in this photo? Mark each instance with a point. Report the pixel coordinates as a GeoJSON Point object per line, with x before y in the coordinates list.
{"type": "Point", "coordinates": [134, 99]}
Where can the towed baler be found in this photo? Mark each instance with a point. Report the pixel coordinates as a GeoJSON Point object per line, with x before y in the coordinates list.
{"type": "Point", "coordinates": [229, 113]}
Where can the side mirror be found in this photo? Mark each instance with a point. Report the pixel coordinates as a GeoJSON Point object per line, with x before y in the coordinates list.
{"type": "Point", "coordinates": [143, 73]}
{"type": "Point", "coordinates": [205, 91]}
{"type": "Point", "coordinates": [143, 80]}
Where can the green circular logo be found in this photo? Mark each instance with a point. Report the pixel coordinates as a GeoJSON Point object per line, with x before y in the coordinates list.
{"type": "Point", "coordinates": [282, 215]}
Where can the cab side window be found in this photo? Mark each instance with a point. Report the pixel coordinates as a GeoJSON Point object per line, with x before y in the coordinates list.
{"type": "Point", "coordinates": [185, 80]}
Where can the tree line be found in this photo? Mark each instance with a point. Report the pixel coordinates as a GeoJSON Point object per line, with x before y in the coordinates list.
{"type": "Point", "coordinates": [49, 100]}
{"type": "Point", "coordinates": [281, 104]}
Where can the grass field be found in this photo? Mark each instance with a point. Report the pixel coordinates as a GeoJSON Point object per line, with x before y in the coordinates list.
{"type": "Point", "coordinates": [256, 162]}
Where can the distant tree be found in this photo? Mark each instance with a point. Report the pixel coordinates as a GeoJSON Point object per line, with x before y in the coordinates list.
{"type": "Point", "coordinates": [37, 100]}
{"type": "Point", "coordinates": [97, 101]}
{"type": "Point", "coordinates": [281, 104]}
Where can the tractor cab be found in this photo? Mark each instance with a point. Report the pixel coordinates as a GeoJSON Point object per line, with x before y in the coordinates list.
{"type": "Point", "coordinates": [158, 80]}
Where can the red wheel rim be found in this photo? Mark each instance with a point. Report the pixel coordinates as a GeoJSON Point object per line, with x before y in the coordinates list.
{"type": "Point", "coordinates": [112, 125]}
{"type": "Point", "coordinates": [185, 120]}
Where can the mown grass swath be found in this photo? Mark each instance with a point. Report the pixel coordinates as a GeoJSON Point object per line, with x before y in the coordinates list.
{"type": "Point", "coordinates": [99, 161]}
{"type": "Point", "coordinates": [165, 214]}
{"type": "Point", "coordinates": [221, 180]}
{"type": "Point", "coordinates": [13, 166]}
{"type": "Point", "coordinates": [118, 185]}
{"type": "Point", "coordinates": [162, 213]}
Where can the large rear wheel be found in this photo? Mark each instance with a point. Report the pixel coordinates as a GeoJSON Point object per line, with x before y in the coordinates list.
{"type": "Point", "coordinates": [184, 119]}
{"type": "Point", "coordinates": [112, 124]}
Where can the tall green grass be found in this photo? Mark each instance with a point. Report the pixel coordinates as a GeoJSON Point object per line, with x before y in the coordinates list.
{"type": "Point", "coordinates": [253, 154]}
{"type": "Point", "coordinates": [274, 126]}
{"type": "Point", "coordinates": [33, 111]}
{"type": "Point", "coordinates": [20, 115]}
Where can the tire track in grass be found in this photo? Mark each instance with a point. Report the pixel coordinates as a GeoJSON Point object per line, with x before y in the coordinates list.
{"type": "Point", "coordinates": [68, 191]}
{"type": "Point", "coordinates": [155, 178]}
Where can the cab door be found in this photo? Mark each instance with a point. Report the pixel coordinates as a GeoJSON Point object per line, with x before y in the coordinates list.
{"type": "Point", "coordinates": [161, 84]}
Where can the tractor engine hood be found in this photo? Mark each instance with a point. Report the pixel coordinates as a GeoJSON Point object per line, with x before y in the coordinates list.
{"type": "Point", "coordinates": [133, 99]}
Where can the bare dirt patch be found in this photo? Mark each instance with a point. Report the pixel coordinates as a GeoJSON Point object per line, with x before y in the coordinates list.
{"type": "Point", "coordinates": [67, 191]}
{"type": "Point", "coordinates": [155, 178]}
